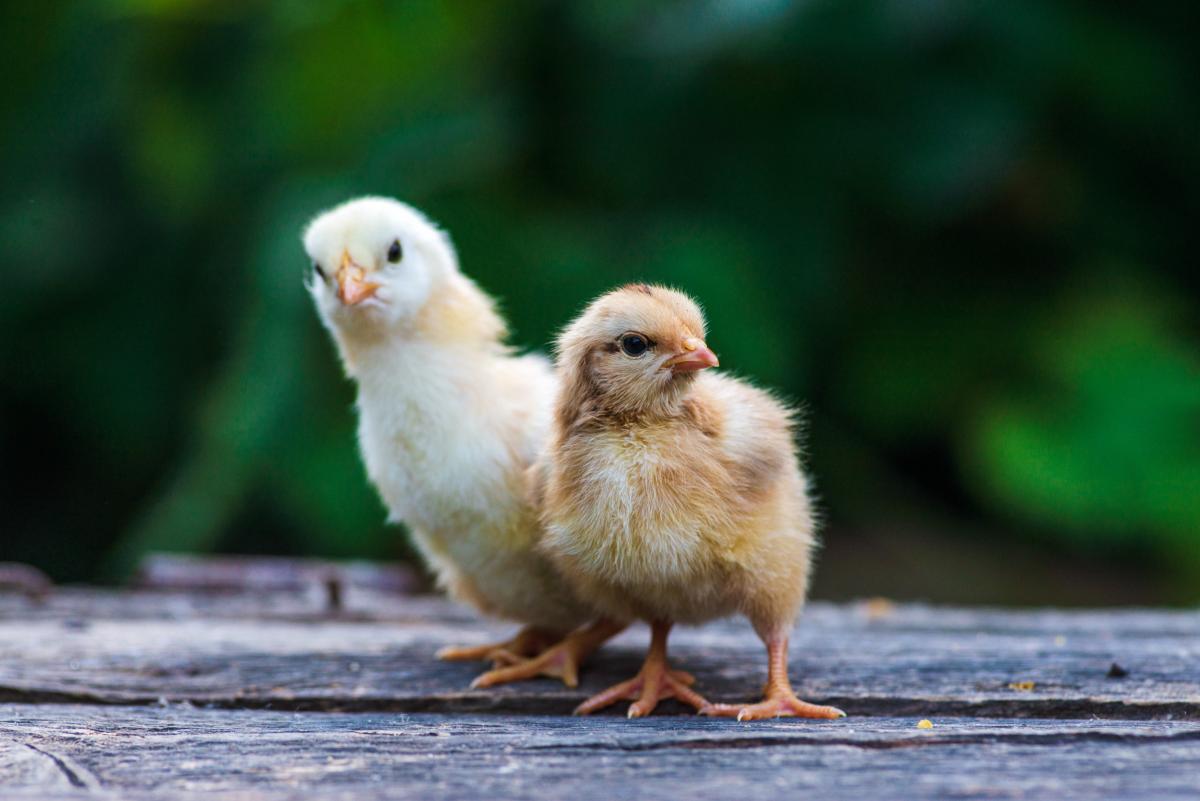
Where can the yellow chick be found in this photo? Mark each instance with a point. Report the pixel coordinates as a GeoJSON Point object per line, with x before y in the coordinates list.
{"type": "Point", "coordinates": [674, 495]}
{"type": "Point", "coordinates": [449, 421]}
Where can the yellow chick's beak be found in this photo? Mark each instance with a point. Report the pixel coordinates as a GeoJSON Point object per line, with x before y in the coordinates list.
{"type": "Point", "coordinates": [353, 287]}
{"type": "Point", "coordinates": [694, 356]}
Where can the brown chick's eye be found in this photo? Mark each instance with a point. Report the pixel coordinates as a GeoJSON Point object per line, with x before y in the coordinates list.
{"type": "Point", "coordinates": [319, 271]}
{"type": "Point", "coordinates": [634, 344]}
{"type": "Point", "coordinates": [395, 252]}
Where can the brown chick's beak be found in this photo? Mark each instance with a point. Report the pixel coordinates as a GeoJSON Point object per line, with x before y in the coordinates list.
{"type": "Point", "coordinates": [352, 286]}
{"type": "Point", "coordinates": [695, 356]}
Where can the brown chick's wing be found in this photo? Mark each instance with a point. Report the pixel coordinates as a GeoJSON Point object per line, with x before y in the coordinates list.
{"type": "Point", "coordinates": [754, 430]}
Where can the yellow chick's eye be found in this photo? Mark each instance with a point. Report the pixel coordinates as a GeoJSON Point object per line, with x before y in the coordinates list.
{"type": "Point", "coordinates": [395, 252]}
{"type": "Point", "coordinates": [634, 344]}
{"type": "Point", "coordinates": [319, 271]}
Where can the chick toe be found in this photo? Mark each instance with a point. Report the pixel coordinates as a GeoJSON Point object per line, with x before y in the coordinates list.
{"type": "Point", "coordinates": [559, 661]}
{"type": "Point", "coordinates": [777, 706]}
{"type": "Point", "coordinates": [654, 682]}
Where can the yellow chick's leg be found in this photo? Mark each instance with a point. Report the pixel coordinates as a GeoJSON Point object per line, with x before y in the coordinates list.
{"type": "Point", "coordinates": [654, 682]}
{"type": "Point", "coordinates": [780, 700]}
{"type": "Point", "coordinates": [528, 641]}
{"type": "Point", "coordinates": [560, 661]}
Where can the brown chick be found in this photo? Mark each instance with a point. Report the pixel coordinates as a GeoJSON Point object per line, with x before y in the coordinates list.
{"type": "Point", "coordinates": [674, 495]}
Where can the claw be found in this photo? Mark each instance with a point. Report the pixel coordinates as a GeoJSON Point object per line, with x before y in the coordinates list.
{"type": "Point", "coordinates": [780, 700]}
{"type": "Point", "coordinates": [527, 642]}
{"type": "Point", "coordinates": [780, 705]}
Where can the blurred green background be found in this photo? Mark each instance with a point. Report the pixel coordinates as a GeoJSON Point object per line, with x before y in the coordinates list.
{"type": "Point", "coordinates": [963, 234]}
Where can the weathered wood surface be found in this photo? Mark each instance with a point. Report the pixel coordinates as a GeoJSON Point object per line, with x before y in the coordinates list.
{"type": "Point", "coordinates": [279, 694]}
{"type": "Point", "coordinates": [282, 651]}
{"type": "Point", "coordinates": [171, 752]}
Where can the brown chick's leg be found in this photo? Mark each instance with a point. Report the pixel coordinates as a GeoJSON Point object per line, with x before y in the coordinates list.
{"type": "Point", "coordinates": [654, 682]}
{"type": "Point", "coordinates": [527, 642]}
{"type": "Point", "coordinates": [780, 700]}
{"type": "Point", "coordinates": [560, 661]}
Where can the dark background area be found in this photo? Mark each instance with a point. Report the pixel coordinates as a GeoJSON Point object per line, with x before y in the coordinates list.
{"type": "Point", "coordinates": [963, 235]}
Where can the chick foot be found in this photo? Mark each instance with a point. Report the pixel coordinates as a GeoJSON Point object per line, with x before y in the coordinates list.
{"type": "Point", "coordinates": [654, 682]}
{"type": "Point", "coordinates": [527, 642]}
{"type": "Point", "coordinates": [560, 661]}
{"type": "Point", "coordinates": [780, 700]}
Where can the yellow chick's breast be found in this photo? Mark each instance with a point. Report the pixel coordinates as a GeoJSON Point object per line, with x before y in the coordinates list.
{"type": "Point", "coordinates": [640, 532]}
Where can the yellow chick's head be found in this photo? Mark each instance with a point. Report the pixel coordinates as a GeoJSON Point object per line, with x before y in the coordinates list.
{"type": "Point", "coordinates": [635, 350]}
{"type": "Point", "coordinates": [375, 263]}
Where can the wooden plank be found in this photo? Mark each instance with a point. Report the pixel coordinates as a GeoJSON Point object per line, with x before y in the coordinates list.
{"type": "Point", "coordinates": [172, 752]}
{"type": "Point", "coordinates": [304, 602]}
{"type": "Point", "coordinates": [184, 572]}
{"type": "Point", "coordinates": [282, 652]}
{"type": "Point", "coordinates": [24, 579]}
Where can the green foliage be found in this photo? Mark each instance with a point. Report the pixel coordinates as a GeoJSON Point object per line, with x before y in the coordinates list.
{"type": "Point", "coordinates": [963, 235]}
{"type": "Point", "coordinates": [1103, 441]}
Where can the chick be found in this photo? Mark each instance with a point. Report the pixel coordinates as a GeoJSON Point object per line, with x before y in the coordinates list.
{"type": "Point", "coordinates": [449, 420]}
{"type": "Point", "coordinates": [674, 495]}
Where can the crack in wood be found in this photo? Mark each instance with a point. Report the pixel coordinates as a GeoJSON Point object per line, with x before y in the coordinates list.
{"type": "Point", "coordinates": [560, 704]}
{"type": "Point", "coordinates": [1049, 708]}
{"type": "Point", "coordinates": [920, 741]}
{"type": "Point", "coordinates": [72, 775]}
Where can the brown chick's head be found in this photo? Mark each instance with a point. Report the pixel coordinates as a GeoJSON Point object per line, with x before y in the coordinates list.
{"type": "Point", "coordinates": [375, 262]}
{"type": "Point", "coordinates": [633, 352]}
